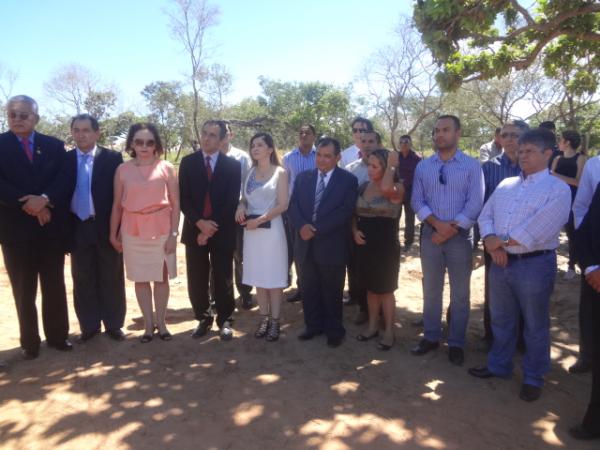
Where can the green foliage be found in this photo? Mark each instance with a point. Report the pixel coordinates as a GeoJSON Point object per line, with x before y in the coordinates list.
{"type": "Point", "coordinates": [487, 38]}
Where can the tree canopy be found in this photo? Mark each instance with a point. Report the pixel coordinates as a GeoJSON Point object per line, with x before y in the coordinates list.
{"type": "Point", "coordinates": [483, 39]}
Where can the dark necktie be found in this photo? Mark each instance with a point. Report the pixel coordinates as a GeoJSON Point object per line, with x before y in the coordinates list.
{"type": "Point", "coordinates": [207, 212]}
{"type": "Point", "coordinates": [319, 194]}
{"type": "Point", "coordinates": [27, 148]}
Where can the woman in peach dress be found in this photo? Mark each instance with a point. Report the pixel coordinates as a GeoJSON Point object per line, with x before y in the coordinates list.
{"type": "Point", "coordinates": [144, 224]}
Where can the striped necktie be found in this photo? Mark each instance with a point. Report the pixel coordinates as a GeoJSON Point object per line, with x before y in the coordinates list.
{"type": "Point", "coordinates": [82, 191]}
{"type": "Point", "coordinates": [319, 194]}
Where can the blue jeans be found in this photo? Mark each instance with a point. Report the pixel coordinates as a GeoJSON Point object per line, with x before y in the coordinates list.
{"type": "Point", "coordinates": [455, 255]}
{"type": "Point", "coordinates": [524, 286]}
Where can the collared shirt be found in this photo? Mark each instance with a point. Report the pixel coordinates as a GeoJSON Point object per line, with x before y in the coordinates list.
{"type": "Point", "coordinates": [488, 151]}
{"type": "Point", "coordinates": [296, 162]}
{"type": "Point", "coordinates": [497, 169]}
{"type": "Point", "coordinates": [349, 155]}
{"type": "Point", "coordinates": [360, 170]}
{"type": "Point", "coordinates": [90, 166]}
{"type": "Point", "coordinates": [325, 180]}
{"type": "Point", "coordinates": [213, 159]}
{"type": "Point", "coordinates": [585, 191]}
{"type": "Point", "coordinates": [531, 210]}
{"type": "Point", "coordinates": [243, 158]}
{"type": "Point", "coordinates": [406, 168]}
{"type": "Point", "coordinates": [461, 197]}
{"type": "Point", "coordinates": [31, 139]}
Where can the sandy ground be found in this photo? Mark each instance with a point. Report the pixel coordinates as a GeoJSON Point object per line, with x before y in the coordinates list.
{"type": "Point", "coordinates": [250, 394]}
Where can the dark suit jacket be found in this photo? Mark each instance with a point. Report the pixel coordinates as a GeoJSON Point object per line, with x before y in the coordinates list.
{"type": "Point", "coordinates": [330, 243]}
{"type": "Point", "coordinates": [105, 165]}
{"type": "Point", "coordinates": [224, 191]}
{"type": "Point", "coordinates": [587, 236]}
{"type": "Point", "coordinates": [19, 177]}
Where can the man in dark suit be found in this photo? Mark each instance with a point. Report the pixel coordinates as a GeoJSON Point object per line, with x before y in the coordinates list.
{"type": "Point", "coordinates": [209, 184]}
{"type": "Point", "coordinates": [321, 207]}
{"type": "Point", "coordinates": [97, 268]}
{"type": "Point", "coordinates": [33, 225]}
{"type": "Point", "coordinates": [587, 241]}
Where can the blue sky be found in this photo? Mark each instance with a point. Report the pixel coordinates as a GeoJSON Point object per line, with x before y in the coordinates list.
{"type": "Point", "coordinates": [128, 44]}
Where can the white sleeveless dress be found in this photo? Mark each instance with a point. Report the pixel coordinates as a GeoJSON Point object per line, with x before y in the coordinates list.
{"type": "Point", "coordinates": [265, 249]}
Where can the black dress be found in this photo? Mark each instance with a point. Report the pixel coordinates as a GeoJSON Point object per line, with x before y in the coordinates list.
{"type": "Point", "coordinates": [379, 259]}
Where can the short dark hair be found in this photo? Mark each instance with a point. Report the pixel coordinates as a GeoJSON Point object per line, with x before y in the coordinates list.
{"type": "Point", "coordinates": [274, 158]}
{"type": "Point", "coordinates": [325, 141]}
{"type": "Point", "coordinates": [542, 138]}
{"type": "Point", "coordinates": [406, 136]}
{"type": "Point", "coordinates": [363, 120]}
{"type": "Point", "coordinates": [498, 130]}
{"type": "Point", "coordinates": [572, 137]}
{"type": "Point", "coordinates": [309, 125]}
{"type": "Point", "coordinates": [453, 118]}
{"type": "Point", "coordinates": [520, 124]}
{"type": "Point", "coordinates": [547, 125]}
{"type": "Point", "coordinates": [93, 121]}
{"type": "Point", "coordinates": [158, 149]}
{"type": "Point", "coordinates": [219, 123]}
{"type": "Point", "coordinates": [377, 136]}
{"type": "Point", "coordinates": [227, 124]}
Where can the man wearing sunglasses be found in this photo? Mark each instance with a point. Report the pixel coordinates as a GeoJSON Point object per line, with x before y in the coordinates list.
{"type": "Point", "coordinates": [359, 125]}
{"type": "Point", "coordinates": [33, 225]}
{"type": "Point", "coordinates": [447, 197]}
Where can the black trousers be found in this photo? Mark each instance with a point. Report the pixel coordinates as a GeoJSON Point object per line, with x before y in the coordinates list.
{"type": "Point", "coordinates": [591, 421]}
{"type": "Point", "coordinates": [409, 220]}
{"type": "Point", "coordinates": [356, 290]}
{"type": "Point", "coordinates": [238, 265]}
{"type": "Point", "coordinates": [25, 262]}
{"type": "Point", "coordinates": [291, 236]}
{"type": "Point", "coordinates": [98, 281]}
{"type": "Point", "coordinates": [587, 321]}
{"type": "Point", "coordinates": [199, 261]}
{"type": "Point", "coordinates": [322, 290]}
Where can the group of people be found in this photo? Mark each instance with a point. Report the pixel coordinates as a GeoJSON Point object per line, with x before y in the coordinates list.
{"type": "Point", "coordinates": [332, 212]}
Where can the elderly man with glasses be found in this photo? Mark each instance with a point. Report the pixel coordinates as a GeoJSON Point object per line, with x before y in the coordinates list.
{"type": "Point", "coordinates": [447, 197]}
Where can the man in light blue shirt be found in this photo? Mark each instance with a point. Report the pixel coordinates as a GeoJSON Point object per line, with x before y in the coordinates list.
{"type": "Point", "coordinates": [447, 197]}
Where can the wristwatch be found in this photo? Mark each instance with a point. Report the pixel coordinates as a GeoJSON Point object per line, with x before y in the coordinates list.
{"type": "Point", "coordinates": [505, 238]}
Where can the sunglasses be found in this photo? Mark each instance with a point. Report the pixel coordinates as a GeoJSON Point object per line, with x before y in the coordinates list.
{"type": "Point", "coordinates": [404, 141]}
{"type": "Point", "coordinates": [442, 176]}
{"type": "Point", "coordinates": [510, 135]}
{"type": "Point", "coordinates": [22, 116]}
{"type": "Point", "coordinates": [143, 143]}
{"type": "Point", "coordinates": [358, 130]}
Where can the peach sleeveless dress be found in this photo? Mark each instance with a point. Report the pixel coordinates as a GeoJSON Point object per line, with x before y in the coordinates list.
{"type": "Point", "coordinates": [146, 221]}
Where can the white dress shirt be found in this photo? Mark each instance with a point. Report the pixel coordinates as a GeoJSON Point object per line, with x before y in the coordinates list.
{"type": "Point", "coordinates": [585, 191]}
{"type": "Point", "coordinates": [349, 155]}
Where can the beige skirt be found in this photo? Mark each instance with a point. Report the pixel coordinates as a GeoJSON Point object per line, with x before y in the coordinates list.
{"type": "Point", "coordinates": [145, 258]}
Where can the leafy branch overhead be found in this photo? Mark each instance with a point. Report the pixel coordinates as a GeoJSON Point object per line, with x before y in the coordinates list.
{"type": "Point", "coordinates": [483, 39]}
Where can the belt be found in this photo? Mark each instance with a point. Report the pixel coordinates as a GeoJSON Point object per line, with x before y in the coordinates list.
{"type": "Point", "coordinates": [149, 212]}
{"type": "Point", "coordinates": [528, 255]}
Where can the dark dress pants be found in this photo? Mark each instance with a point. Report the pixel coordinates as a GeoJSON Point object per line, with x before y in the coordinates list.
{"type": "Point", "coordinates": [25, 262]}
{"type": "Point", "coordinates": [291, 236]}
{"type": "Point", "coordinates": [409, 220]}
{"type": "Point", "coordinates": [322, 290]}
{"type": "Point", "coordinates": [356, 289]}
{"type": "Point", "coordinates": [238, 257]}
{"type": "Point", "coordinates": [98, 281]}
{"type": "Point", "coordinates": [199, 261]}
{"type": "Point", "coordinates": [591, 421]}
{"type": "Point", "coordinates": [587, 298]}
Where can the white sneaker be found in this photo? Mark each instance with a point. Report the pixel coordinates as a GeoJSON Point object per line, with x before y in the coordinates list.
{"type": "Point", "coordinates": [226, 333]}
{"type": "Point", "coordinates": [569, 274]}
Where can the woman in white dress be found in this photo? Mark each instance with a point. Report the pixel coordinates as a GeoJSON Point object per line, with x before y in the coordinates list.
{"type": "Point", "coordinates": [264, 199]}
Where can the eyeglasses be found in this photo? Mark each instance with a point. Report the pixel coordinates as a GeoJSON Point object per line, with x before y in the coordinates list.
{"type": "Point", "coordinates": [143, 143]}
{"type": "Point", "coordinates": [404, 141]}
{"type": "Point", "coordinates": [358, 130]}
{"type": "Point", "coordinates": [20, 115]}
{"type": "Point", "coordinates": [510, 135]}
{"type": "Point", "coordinates": [442, 175]}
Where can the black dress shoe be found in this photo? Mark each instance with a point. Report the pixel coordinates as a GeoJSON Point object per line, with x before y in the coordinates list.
{"type": "Point", "coordinates": [308, 335]}
{"type": "Point", "coordinates": [116, 334]}
{"type": "Point", "coordinates": [202, 328]}
{"type": "Point", "coordinates": [30, 354]}
{"type": "Point", "coordinates": [456, 356]}
{"type": "Point", "coordinates": [247, 302]}
{"type": "Point", "coordinates": [581, 434]}
{"type": "Point", "coordinates": [87, 335]}
{"type": "Point", "coordinates": [294, 298]}
{"type": "Point", "coordinates": [481, 372]}
{"type": "Point", "coordinates": [530, 393]}
{"type": "Point", "coordinates": [424, 346]}
{"type": "Point", "coordinates": [334, 342]}
{"type": "Point", "coordinates": [63, 346]}
{"type": "Point", "coordinates": [580, 367]}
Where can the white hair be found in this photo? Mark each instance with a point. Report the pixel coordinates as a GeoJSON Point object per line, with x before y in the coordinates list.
{"type": "Point", "coordinates": [23, 99]}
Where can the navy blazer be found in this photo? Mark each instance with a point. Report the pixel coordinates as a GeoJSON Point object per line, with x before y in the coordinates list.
{"type": "Point", "coordinates": [106, 163]}
{"type": "Point", "coordinates": [334, 214]}
{"type": "Point", "coordinates": [19, 177]}
{"type": "Point", "coordinates": [224, 191]}
{"type": "Point", "coordinates": [587, 236]}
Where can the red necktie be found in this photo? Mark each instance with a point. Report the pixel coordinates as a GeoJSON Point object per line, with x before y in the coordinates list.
{"type": "Point", "coordinates": [207, 212]}
{"type": "Point", "coordinates": [27, 148]}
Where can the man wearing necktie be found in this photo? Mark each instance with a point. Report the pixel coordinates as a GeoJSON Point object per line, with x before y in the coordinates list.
{"type": "Point", "coordinates": [97, 268]}
{"type": "Point", "coordinates": [209, 183]}
{"type": "Point", "coordinates": [34, 190]}
{"type": "Point", "coordinates": [321, 208]}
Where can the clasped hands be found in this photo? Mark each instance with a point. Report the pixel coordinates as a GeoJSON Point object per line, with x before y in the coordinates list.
{"type": "Point", "coordinates": [37, 206]}
{"type": "Point", "coordinates": [495, 247]}
{"type": "Point", "coordinates": [444, 231]}
{"type": "Point", "coordinates": [207, 230]}
{"type": "Point", "coordinates": [240, 217]}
